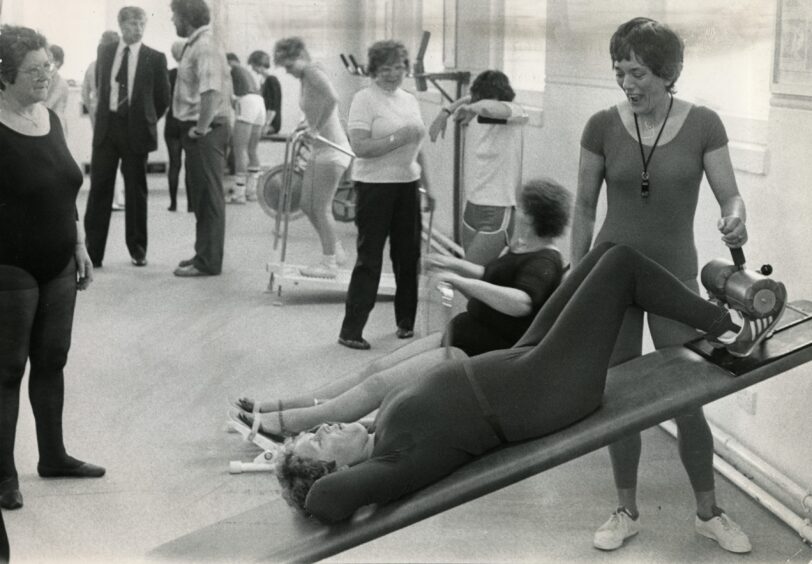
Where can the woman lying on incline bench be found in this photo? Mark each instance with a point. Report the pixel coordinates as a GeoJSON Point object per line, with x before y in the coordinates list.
{"type": "Point", "coordinates": [504, 297]}
{"type": "Point", "coordinates": [461, 408]}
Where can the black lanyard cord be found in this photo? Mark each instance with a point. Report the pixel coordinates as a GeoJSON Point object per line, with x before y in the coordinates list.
{"type": "Point", "coordinates": [644, 183]}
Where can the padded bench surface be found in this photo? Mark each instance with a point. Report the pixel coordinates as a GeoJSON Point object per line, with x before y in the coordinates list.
{"type": "Point", "coordinates": [639, 394]}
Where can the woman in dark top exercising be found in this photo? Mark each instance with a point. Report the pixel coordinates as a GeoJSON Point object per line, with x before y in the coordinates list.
{"type": "Point", "coordinates": [551, 378]}
{"type": "Point", "coordinates": [504, 297]}
{"type": "Point", "coordinates": [43, 259]}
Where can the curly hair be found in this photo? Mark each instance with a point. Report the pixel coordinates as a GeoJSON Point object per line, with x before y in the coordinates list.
{"type": "Point", "coordinates": [654, 44]}
{"type": "Point", "coordinates": [259, 59]}
{"type": "Point", "coordinates": [492, 85]}
{"type": "Point", "coordinates": [297, 474]}
{"type": "Point", "coordinates": [288, 48]}
{"type": "Point", "coordinates": [386, 52]}
{"type": "Point", "coordinates": [15, 43]}
{"type": "Point", "coordinates": [548, 204]}
{"type": "Point", "coordinates": [194, 12]}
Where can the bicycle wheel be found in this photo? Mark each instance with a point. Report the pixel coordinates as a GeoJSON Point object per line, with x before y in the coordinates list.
{"type": "Point", "coordinates": [269, 192]}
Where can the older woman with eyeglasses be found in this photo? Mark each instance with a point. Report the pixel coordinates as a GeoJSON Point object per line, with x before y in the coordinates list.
{"type": "Point", "coordinates": [43, 259]}
{"type": "Point", "coordinates": [386, 132]}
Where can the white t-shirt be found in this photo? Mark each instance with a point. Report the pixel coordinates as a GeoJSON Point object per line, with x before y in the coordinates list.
{"type": "Point", "coordinates": [382, 113]}
{"type": "Point", "coordinates": [493, 161]}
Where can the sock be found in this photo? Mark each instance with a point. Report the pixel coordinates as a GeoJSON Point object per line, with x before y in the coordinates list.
{"type": "Point", "coordinates": [737, 321]}
{"type": "Point", "coordinates": [340, 254]}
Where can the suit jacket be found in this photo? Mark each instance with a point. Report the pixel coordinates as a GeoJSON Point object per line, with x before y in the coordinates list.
{"type": "Point", "coordinates": [149, 98]}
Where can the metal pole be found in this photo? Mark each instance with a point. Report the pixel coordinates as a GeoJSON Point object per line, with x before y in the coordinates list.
{"type": "Point", "coordinates": [458, 155]}
{"type": "Point", "coordinates": [287, 190]}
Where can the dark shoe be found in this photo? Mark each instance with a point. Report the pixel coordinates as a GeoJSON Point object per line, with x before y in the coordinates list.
{"type": "Point", "coordinates": [186, 262]}
{"type": "Point", "coordinates": [83, 470]}
{"type": "Point", "coordinates": [172, 207]}
{"type": "Point", "coordinates": [97, 264]}
{"type": "Point", "coordinates": [403, 333]}
{"type": "Point", "coordinates": [190, 271]}
{"type": "Point", "coordinates": [139, 261]}
{"type": "Point", "coordinates": [360, 343]}
{"type": "Point", "coordinates": [10, 496]}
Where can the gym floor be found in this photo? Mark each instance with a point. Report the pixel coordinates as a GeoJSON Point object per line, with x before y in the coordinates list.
{"type": "Point", "coordinates": [155, 359]}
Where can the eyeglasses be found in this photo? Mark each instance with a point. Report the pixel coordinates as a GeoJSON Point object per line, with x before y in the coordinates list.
{"type": "Point", "coordinates": [44, 69]}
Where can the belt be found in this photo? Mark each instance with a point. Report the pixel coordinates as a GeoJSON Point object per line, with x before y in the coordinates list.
{"type": "Point", "coordinates": [484, 405]}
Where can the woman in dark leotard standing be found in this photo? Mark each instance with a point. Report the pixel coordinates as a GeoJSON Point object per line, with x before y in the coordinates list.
{"type": "Point", "coordinates": [673, 143]}
{"type": "Point", "coordinates": [43, 259]}
{"type": "Point", "coordinates": [551, 378]}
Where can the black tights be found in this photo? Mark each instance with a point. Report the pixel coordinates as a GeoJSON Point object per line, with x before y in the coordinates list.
{"type": "Point", "coordinates": [175, 152]}
{"type": "Point", "coordinates": [35, 326]}
{"type": "Point", "coordinates": [572, 338]}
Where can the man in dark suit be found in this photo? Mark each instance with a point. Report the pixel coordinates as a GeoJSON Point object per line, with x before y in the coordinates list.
{"type": "Point", "coordinates": [133, 94]}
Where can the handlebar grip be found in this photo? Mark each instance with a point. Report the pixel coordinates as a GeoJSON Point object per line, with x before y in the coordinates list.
{"type": "Point", "coordinates": [738, 257]}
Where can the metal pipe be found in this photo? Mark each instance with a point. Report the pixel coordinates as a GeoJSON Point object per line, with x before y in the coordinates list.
{"type": "Point", "coordinates": [446, 244]}
{"type": "Point", "coordinates": [335, 146]}
{"type": "Point", "coordinates": [774, 484]}
{"type": "Point", "coordinates": [296, 140]}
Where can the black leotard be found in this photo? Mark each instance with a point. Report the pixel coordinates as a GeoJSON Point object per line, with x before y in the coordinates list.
{"type": "Point", "coordinates": [39, 180]}
{"type": "Point", "coordinates": [481, 328]}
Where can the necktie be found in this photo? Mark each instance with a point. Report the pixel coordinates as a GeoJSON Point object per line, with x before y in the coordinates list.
{"type": "Point", "coordinates": [122, 77]}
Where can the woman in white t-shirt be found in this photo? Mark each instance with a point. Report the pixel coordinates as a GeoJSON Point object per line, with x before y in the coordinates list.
{"type": "Point", "coordinates": [386, 131]}
{"type": "Point", "coordinates": [492, 165]}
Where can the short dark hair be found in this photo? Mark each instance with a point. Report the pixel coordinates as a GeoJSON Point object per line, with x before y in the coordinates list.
{"type": "Point", "coordinates": [15, 43]}
{"type": "Point", "coordinates": [654, 44]}
{"type": "Point", "coordinates": [57, 54]}
{"type": "Point", "coordinates": [297, 474]}
{"type": "Point", "coordinates": [385, 52]}
{"type": "Point", "coordinates": [492, 85]}
{"type": "Point", "coordinates": [288, 48]}
{"type": "Point", "coordinates": [109, 36]}
{"type": "Point", "coordinates": [260, 59]}
{"type": "Point", "coordinates": [194, 12]}
{"type": "Point", "coordinates": [232, 57]}
{"type": "Point", "coordinates": [131, 13]}
{"type": "Point", "coordinates": [548, 204]}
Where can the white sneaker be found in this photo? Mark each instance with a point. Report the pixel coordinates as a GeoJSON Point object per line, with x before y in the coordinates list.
{"type": "Point", "coordinates": [726, 532]}
{"type": "Point", "coordinates": [319, 270]}
{"type": "Point", "coordinates": [618, 528]}
{"type": "Point", "coordinates": [341, 254]}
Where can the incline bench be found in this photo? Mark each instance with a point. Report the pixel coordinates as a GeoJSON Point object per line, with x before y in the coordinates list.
{"type": "Point", "coordinates": [639, 394]}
